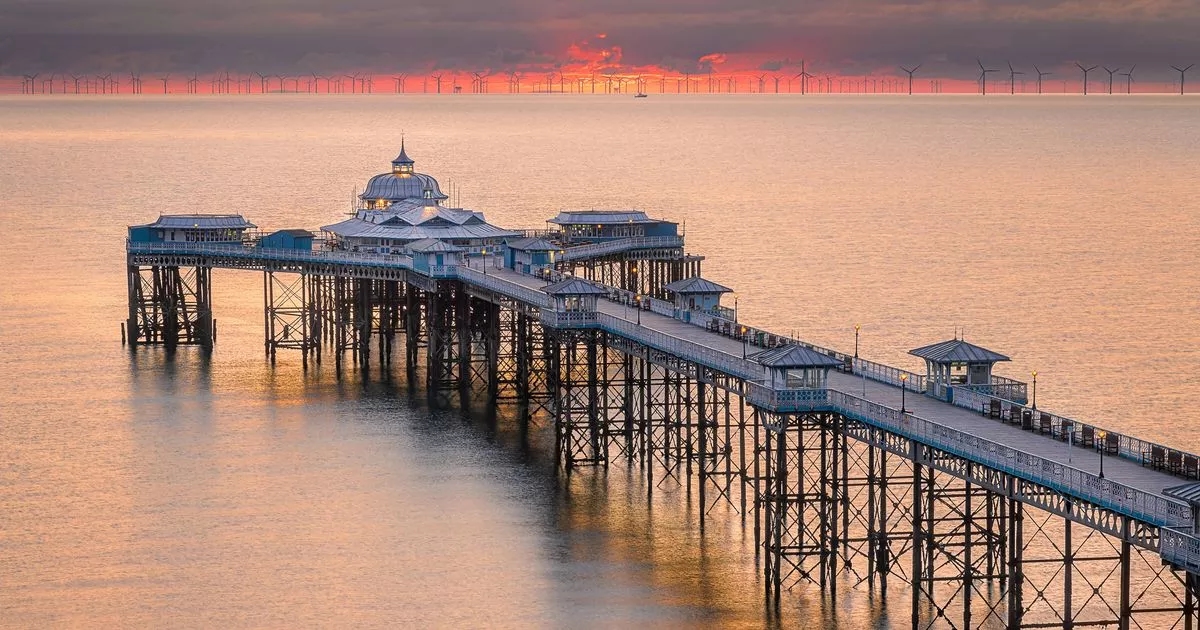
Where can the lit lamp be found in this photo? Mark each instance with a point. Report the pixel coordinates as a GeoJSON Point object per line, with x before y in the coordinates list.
{"type": "Point", "coordinates": [1100, 444]}
{"type": "Point", "coordinates": [903, 391]}
{"type": "Point", "coordinates": [856, 327]}
{"type": "Point", "coordinates": [745, 341]}
{"type": "Point", "coordinates": [483, 261]}
{"type": "Point", "coordinates": [1035, 389]}
{"type": "Point", "coordinates": [637, 299]}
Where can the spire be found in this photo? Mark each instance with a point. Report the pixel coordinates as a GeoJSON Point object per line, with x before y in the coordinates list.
{"type": "Point", "coordinates": [402, 163]}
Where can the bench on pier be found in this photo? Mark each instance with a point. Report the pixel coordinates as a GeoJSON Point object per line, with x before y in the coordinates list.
{"type": "Point", "coordinates": [991, 409]}
{"type": "Point", "coordinates": [1156, 457]}
{"type": "Point", "coordinates": [1191, 467]}
{"type": "Point", "coordinates": [1045, 425]}
{"type": "Point", "coordinates": [1015, 416]}
{"type": "Point", "coordinates": [1087, 437]}
{"type": "Point", "coordinates": [1112, 444]}
{"type": "Point", "coordinates": [1065, 428]}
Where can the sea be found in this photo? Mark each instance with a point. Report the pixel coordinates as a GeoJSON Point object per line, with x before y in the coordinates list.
{"type": "Point", "coordinates": [139, 489]}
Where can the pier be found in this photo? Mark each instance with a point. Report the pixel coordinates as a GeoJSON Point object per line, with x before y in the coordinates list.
{"type": "Point", "coordinates": [951, 483]}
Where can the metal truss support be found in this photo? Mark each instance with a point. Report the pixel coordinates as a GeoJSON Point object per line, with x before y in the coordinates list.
{"type": "Point", "coordinates": [170, 306]}
{"type": "Point", "coordinates": [443, 354]}
{"type": "Point", "coordinates": [289, 315]}
{"type": "Point", "coordinates": [577, 375]}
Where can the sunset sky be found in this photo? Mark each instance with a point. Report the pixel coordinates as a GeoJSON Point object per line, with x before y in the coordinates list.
{"type": "Point", "coordinates": [851, 37]}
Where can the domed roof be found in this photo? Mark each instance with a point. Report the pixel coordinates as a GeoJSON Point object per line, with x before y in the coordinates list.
{"type": "Point", "coordinates": [402, 182]}
{"type": "Point", "coordinates": [397, 186]}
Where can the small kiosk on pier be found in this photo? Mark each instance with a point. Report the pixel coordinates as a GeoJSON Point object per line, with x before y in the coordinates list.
{"type": "Point", "coordinates": [697, 294]}
{"type": "Point", "coordinates": [956, 363]}
{"type": "Point", "coordinates": [795, 367]}
{"type": "Point", "coordinates": [523, 255]}
{"type": "Point", "coordinates": [192, 228]}
{"type": "Point", "coordinates": [598, 226]}
{"type": "Point", "coordinates": [574, 303]}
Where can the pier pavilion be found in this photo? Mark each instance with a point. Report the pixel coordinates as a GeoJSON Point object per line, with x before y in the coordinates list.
{"type": "Point", "coordinates": [402, 207]}
{"type": "Point", "coordinates": [847, 472]}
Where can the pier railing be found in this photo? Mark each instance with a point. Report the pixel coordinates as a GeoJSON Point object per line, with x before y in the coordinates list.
{"type": "Point", "coordinates": [237, 250]}
{"type": "Point", "coordinates": [1084, 434]}
{"type": "Point", "coordinates": [581, 252]}
{"type": "Point", "coordinates": [889, 375]}
{"type": "Point", "coordinates": [503, 286]}
{"type": "Point", "coordinates": [684, 349]}
{"type": "Point", "coordinates": [1180, 549]}
{"type": "Point", "coordinates": [1141, 505]}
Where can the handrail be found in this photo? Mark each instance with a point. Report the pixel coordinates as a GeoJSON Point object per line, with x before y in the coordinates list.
{"type": "Point", "coordinates": [1179, 548]}
{"type": "Point", "coordinates": [889, 375]}
{"type": "Point", "coordinates": [504, 286]}
{"type": "Point", "coordinates": [1139, 504]}
{"type": "Point", "coordinates": [690, 350]}
{"type": "Point", "coordinates": [611, 247]}
{"type": "Point", "coordinates": [1128, 447]}
{"type": "Point", "coordinates": [237, 250]}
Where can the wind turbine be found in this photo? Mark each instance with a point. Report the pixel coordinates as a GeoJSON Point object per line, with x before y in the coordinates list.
{"type": "Point", "coordinates": [1012, 79]}
{"type": "Point", "coordinates": [1085, 75]}
{"type": "Point", "coordinates": [1129, 79]}
{"type": "Point", "coordinates": [804, 76]}
{"type": "Point", "coordinates": [438, 79]}
{"type": "Point", "coordinates": [76, 78]}
{"type": "Point", "coordinates": [1182, 75]}
{"type": "Point", "coordinates": [1110, 77]}
{"type": "Point", "coordinates": [1040, 75]}
{"type": "Point", "coordinates": [983, 72]}
{"type": "Point", "coordinates": [910, 73]}
{"type": "Point", "coordinates": [164, 79]}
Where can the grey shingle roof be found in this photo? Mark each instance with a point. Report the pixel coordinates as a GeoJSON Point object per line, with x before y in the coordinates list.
{"type": "Point", "coordinates": [793, 356]}
{"type": "Point", "coordinates": [601, 217]}
{"type": "Point", "coordinates": [1189, 492]}
{"type": "Point", "coordinates": [432, 246]}
{"type": "Point", "coordinates": [573, 286]}
{"type": "Point", "coordinates": [957, 351]}
{"type": "Point", "coordinates": [205, 221]}
{"type": "Point", "coordinates": [696, 285]}
{"type": "Point", "coordinates": [532, 245]}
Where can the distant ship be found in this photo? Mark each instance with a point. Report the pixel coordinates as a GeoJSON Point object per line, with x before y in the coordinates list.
{"type": "Point", "coordinates": [640, 95]}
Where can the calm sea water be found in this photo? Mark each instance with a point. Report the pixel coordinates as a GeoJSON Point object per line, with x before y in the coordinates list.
{"type": "Point", "coordinates": [141, 491]}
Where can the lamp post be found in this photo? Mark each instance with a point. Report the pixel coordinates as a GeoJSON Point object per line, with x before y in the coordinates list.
{"type": "Point", "coordinates": [483, 260]}
{"type": "Point", "coordinates": [634, 277]}
{"type": "Point", "coordinates": [903, 391]}
{"type": "Point", "coordinates": [744, 342]}
{"type": "Point", "coordinates": [856, 327]}
{"type": "Point", "coordinates": [1035, 389]}
{"type": "Point", "coordinates": [1100, 436]}
{"type": "Point", "coordinates": [735, 298]}
{"type": "Point", "coordinates": [637, 300]}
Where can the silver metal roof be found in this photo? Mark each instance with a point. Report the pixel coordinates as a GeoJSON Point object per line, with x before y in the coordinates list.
{"type": "Point", "coordinates": [201, 221]}
{"type": "Point", "coordinates": [695, 285]}
{"type": "Point", "coordinates": [793, 356]}
{"type": "Point", "coordinates": [532, 245]}
{"type": "Point", "coordinates": [573, 286]}
{"type": "Point", "coordinates": [294, 232]}
{"type": "Point", "coordinates": [602, 217]}
{"type": "Point", "coordinates": [403, 157]}
{"type": "Point", "coordinates": [397, 186]}
{"type": "Point", "coordinates": [1189, 492]}
{"type": "Point", "coordinates": [957, 351]}
{"type": "Point", "coordinates": [432, 246]}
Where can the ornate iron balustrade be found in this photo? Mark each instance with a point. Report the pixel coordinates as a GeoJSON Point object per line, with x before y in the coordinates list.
{"type": "Point", "coordinates": [786, 400]}
{"type": "Point", "coordinates": [1180, 549]}
{"type": "Point", "coordinates": [582, 252]}
{"type": "Point", "coordinates": [503, 286]}
{"type": "Point", "coordinates": [1127, 446]}
{"type": "Point", "coordinates": [237, 250]}
{"type": "Point", "coordinates": [1144, 506]}
{"type": "Point", "coordinates": [889, 375]}
{"type": "Point", "coordinates": [569, 319]}
{"type": "Point", "coordinates": [684, 349]}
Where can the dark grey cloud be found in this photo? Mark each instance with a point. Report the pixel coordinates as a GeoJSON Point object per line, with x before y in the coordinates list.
{"type": "Point", "coordinates": [394, 36]}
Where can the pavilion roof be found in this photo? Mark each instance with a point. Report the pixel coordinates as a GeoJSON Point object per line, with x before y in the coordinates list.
{"type": "Point", "coordinates": [957, 351]}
